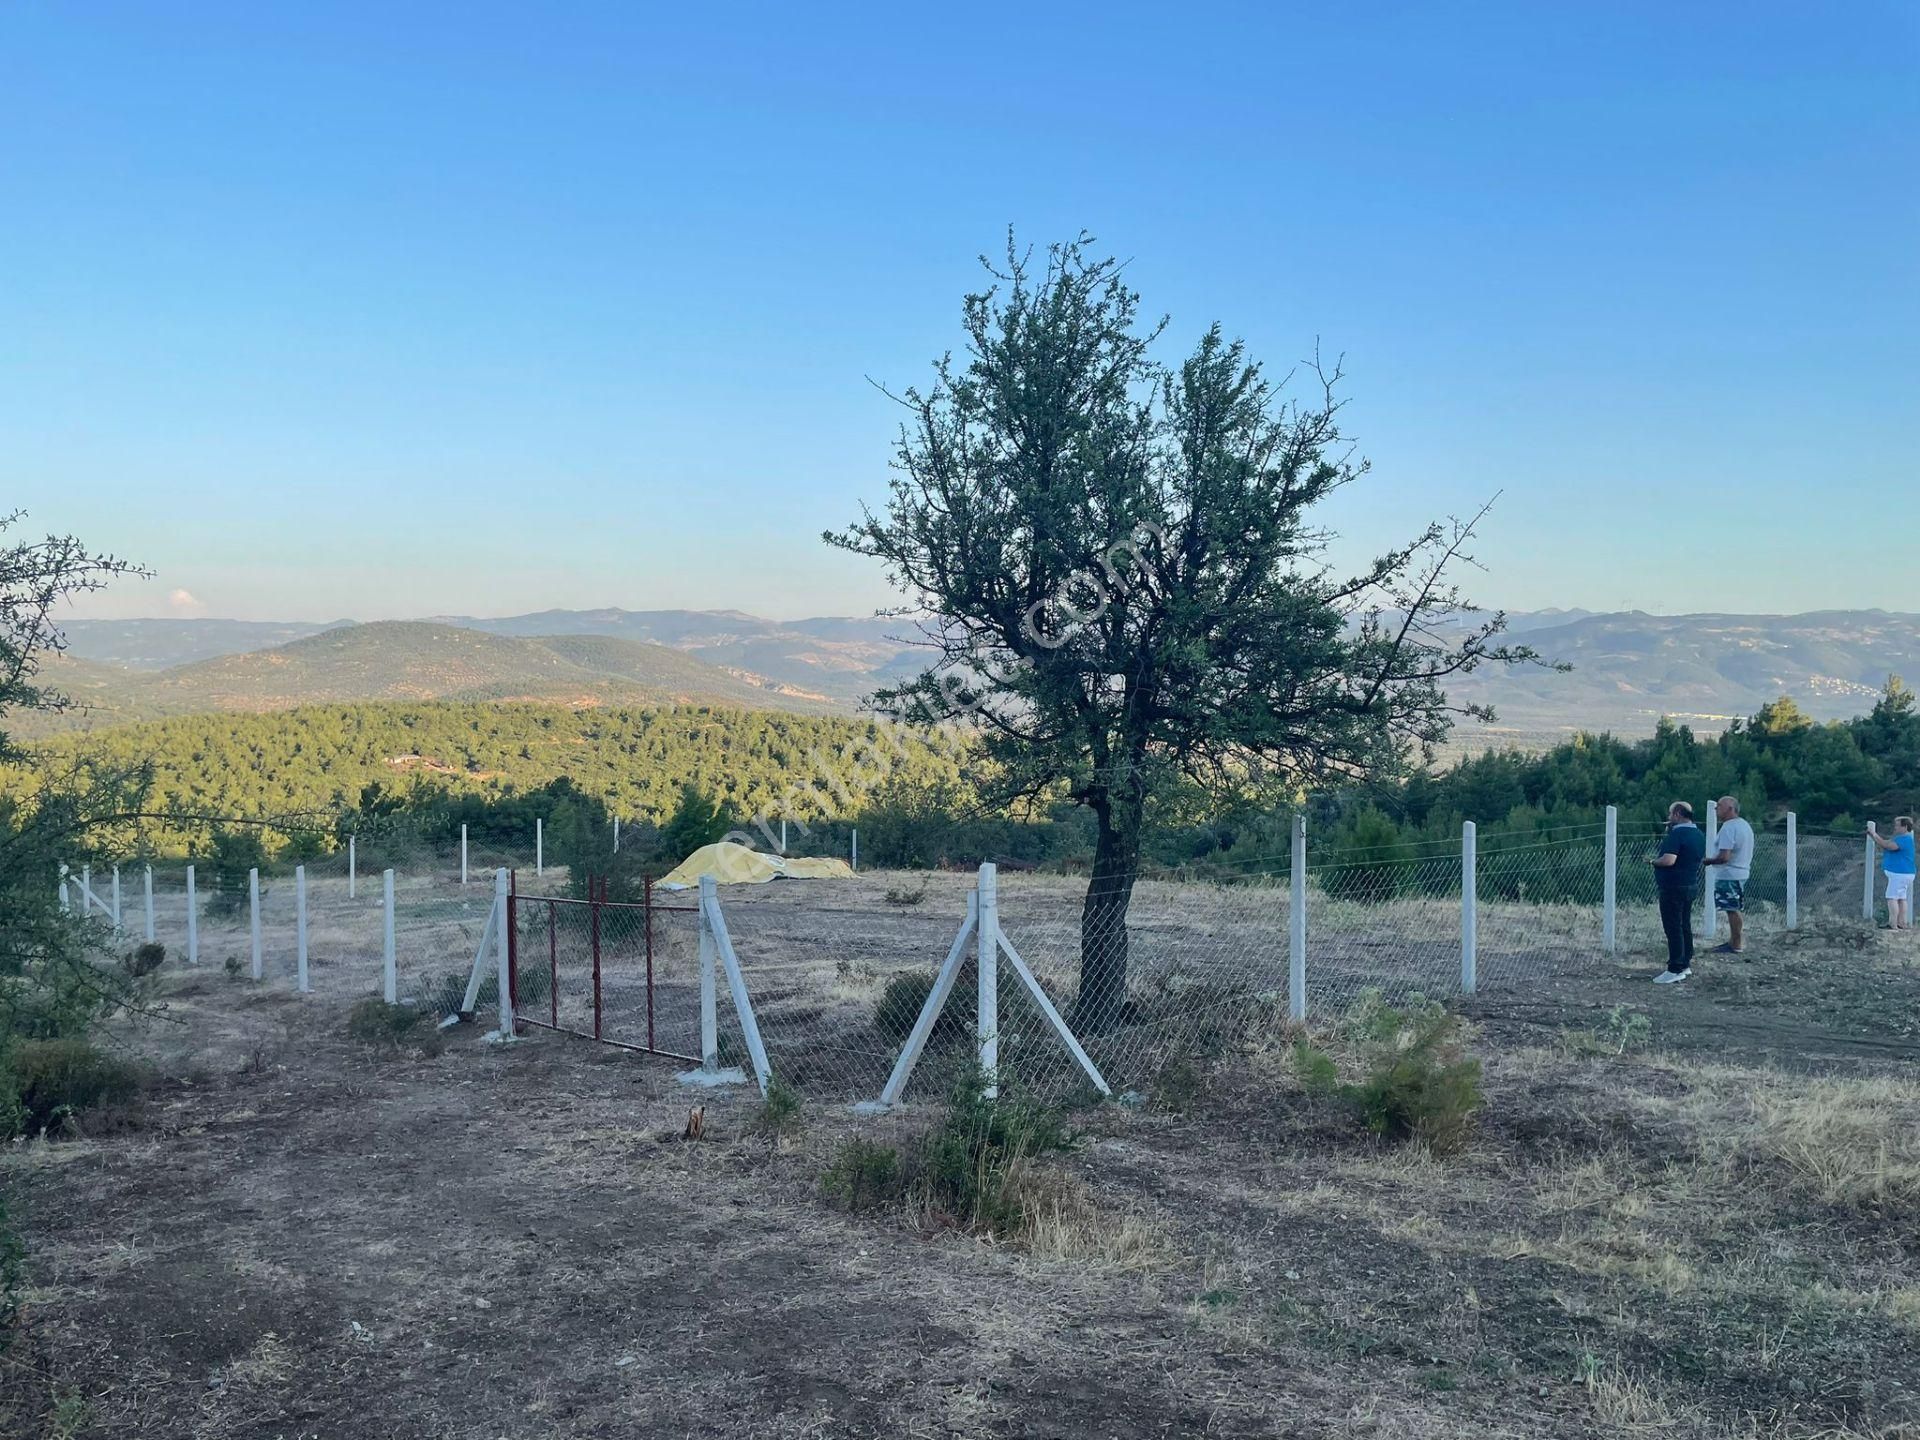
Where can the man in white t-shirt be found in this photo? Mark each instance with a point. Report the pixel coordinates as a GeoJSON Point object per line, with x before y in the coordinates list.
{"type": "Point", "coordinates": [1730, 865]}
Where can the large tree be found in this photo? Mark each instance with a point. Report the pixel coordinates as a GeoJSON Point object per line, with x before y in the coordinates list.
{"type": "Point", "coordinates": [1126, 581]}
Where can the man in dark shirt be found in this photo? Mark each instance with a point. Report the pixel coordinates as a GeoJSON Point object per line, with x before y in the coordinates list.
{"type": "Point", "coordinates": [1676, 871]}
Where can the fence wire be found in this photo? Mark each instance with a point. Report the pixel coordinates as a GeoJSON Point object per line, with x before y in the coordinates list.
{"type": "Point", "coordinates": [1148, 976]}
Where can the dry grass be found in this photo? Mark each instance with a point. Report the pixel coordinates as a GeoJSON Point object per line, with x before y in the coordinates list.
{"type": "Point", "coordinates": [1853, 1144]}
{"type": "Point", "coordinates": [270, 1362]}
{"type": "Point", "coordinates": [1064, 1222]}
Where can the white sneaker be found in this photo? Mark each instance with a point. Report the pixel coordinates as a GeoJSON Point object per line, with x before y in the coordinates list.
{"type": "Point", "coordinates": [1671, 977]}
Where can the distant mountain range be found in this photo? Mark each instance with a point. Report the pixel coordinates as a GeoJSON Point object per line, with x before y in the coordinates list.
{"type": "Point", "coordinates": [1629, 668]}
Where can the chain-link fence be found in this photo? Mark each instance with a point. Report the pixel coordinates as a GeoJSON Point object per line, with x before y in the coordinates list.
{"type": "Point", "coordinates": [1141, 974]}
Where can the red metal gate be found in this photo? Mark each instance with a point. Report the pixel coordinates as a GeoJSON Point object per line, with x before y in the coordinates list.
{"type": "Point", "coordinates": [601, 979]}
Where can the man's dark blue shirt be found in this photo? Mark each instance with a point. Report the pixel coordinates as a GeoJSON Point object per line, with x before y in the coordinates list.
{"type": "Point", "coordinates": [1688, 843]}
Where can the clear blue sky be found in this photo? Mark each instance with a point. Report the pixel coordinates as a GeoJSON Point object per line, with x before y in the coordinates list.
{"type": "Point", "coordinates": [376, 310]}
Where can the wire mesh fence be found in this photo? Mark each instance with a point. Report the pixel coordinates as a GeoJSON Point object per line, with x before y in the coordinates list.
{"type": "Point", "coordinates": [1139, 975]}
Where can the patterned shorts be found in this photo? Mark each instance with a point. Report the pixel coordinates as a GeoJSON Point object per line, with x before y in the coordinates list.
{"type": "Point", "coordinates": [1730, 896]}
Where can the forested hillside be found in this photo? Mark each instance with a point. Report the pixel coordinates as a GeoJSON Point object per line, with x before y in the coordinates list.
{"type": "Point", "coordinates": [304, 766]}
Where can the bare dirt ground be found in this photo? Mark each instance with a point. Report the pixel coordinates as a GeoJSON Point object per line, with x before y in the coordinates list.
{"type": "Point", "coordinates": [1715, 1233]}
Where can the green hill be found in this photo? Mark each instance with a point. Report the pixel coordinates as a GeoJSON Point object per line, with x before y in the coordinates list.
{"type": "Point", "coordinates": [311, 760]}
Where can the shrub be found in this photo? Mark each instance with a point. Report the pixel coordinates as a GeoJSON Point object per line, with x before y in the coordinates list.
{"type": "Point", "coordinates": [145, 958]}
{"type": "Point", "coordinates": [1623, 1030]}
{"type": "Point", "coordinates": [230, 855]}
{"type": "Point", "coordinates": [863, 1175]}
{"type": "Point", "coordinates": [55, 1081]}
{"type": "Point", "coordinates": [780, 1111]}
{"type": "Point", "coordinates": [975, 1167]}
{"type": "Point", "coordinates": [901, 895]}
{"type": "Point", "coordinates": [373, 1021]}
{"type": "Point", "coordinates": [906, 994]}
{"type": "Point", "coordinates": [1415, 1080]}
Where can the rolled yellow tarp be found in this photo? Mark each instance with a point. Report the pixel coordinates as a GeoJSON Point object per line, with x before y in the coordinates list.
{"type": "Point", "coordinates": [732, 864]}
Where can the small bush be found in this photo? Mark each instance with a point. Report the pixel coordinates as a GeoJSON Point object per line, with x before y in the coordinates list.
{"type": "Point", "coordinates": [906, 994]}
{"type": "Point", "coordinates": [373, 1021]}
{"type": "Point", "coordinates": [1623, 1030]}
{"type": "Point", "coordinates": [780, 1111]}
{"type": "Point", "coordinates": [1415, 1080]}
{"type": "Point", "coordinates": [976, 1170]}
{"type": "Point", "coordinates": [901, 895]}
{"type": "Point", "coordinates": [53, 1082]}
{"type": "Point", "coordinates": [975, 1167]}
{"type": "Point", "coordinates": [905, 997]}
{"type": "Point", "coordinates": [145, 958]}
{"type": "Point", "coordinates": [864, 1175]}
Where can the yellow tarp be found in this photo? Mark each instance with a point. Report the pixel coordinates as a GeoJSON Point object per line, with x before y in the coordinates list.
{"type": "Point", "coordinates": [731, 864]}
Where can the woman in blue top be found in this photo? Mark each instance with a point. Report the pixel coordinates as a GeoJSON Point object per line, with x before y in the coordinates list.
{"type": "Point", "coordinates": [1897, 865]}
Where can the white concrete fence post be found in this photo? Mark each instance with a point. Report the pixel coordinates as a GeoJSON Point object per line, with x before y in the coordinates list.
{"type": "Point", "coordinates": [193, 921]}
{"type": "Point", "coordinates": [389, 967]}
{"type": "Point", "coordinates": [1297, 926]}
{"type": "Point", "coordinates": [539, 846]}
{"type": "Point", "coordinates": [783, 834]}
{"type": "Point", "coordinates": [353, 868]}
{"type": "Point", "coordinates": [253, 907]}
{"type": "Point", "coordinates": [987, 964]}
{"type": "Point", "coordinates": [1793, 871]}
{"type": "Point", "coordinates": [1610, 884]}
{"type": "Point", "coordinates": [502, 974]}
{"type": "Point", "coordinates": [1469, 907]}
{"type": "Point", "coordinates": [300, 927]}
{"type": "Point", "coordinates": [1710, 917]}
{"type": "Point", "coordinates": [616, 834]}
{"type": "Point", "coordinates": [116, 897]}
{"type": "Point", "coordinates": [709, 994]}
{"type": "Point", "coordinates": [463, 854]}
{"type": "Point", "coordinates": [86, 889]}
{"type": "Point", "coordinates": [66, 899]}
{"type": "Point", "coordinates": [1866, 884]}
{"type": "Point", "coordinates": [148, 881]}
{"type": "Point", "coordinates": [854, 859]}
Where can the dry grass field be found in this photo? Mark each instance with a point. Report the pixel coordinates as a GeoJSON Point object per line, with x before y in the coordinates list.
{"type": "Point", "coordinates": [1703, 1223]}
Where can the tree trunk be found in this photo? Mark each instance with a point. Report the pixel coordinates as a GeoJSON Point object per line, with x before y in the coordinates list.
{"type": "Point", "coordinates": [1103, 917]}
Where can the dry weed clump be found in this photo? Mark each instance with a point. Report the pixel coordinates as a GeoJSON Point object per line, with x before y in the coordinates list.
{"type": "Point", "coordinates": [1854, 1144]}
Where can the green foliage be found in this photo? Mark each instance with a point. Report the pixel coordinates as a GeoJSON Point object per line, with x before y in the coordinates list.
{"type": "Point", "coordinates": [902, 1000]}
{"type": "Point", "coordinates": [373, 1021]}
{"type": "Point", "coordinates": [1130, 572]}
{"type": "Point", "coordinates": [56, 1081]}
{"type": "Point", "coordinates": [402, 778]}
{"type": "Point", "coordinates": [697, 820]}
{"type": "Point", "coordinates": [864, 1175]}
{"type": "Point", "coordinates": [144, 959]}
{"type": "Point", "coordinates": [780, 1111]}
{"type": "Point", "coordinates": [1413, 1077]}
{"type": "Point", "coordinates": [973, 1169]}
{"type": "Point", "coordinates": [974, 1166]}
{"type": "Point", "coordinates": [905, 995]}
{"type": "Point", "coordinates": [232, 853]}
{"type": "Point", "coordinates": [13, 1254]}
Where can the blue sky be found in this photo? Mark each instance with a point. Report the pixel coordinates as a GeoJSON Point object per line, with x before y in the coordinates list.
{"type": "Point", "coordinates": [375, 310]}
